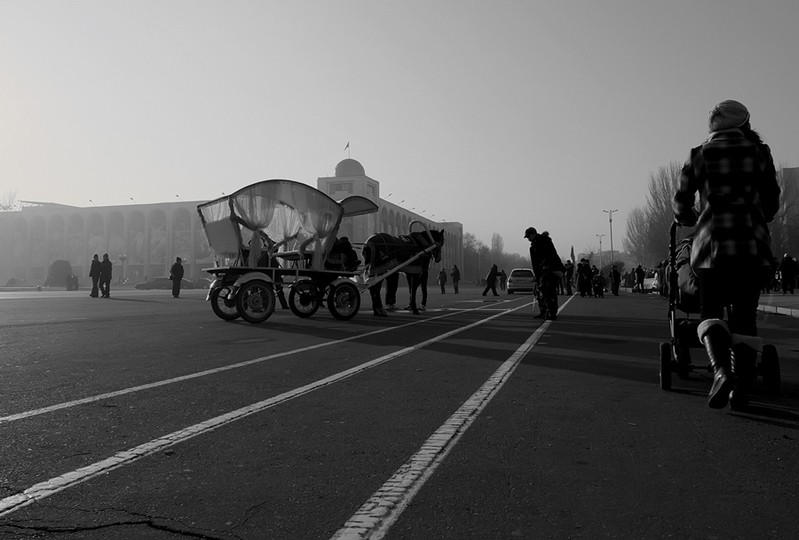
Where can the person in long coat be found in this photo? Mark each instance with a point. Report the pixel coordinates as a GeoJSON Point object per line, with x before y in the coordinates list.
{"type": "Point", "coordinates": [176, 275]}
{"type": "Point", "coordinates": [734, 174]}
{"type": "Point", "coordinates": [94, 272]}
{"type": "Point", "coordinates": [442, 280]}
{"type": "Point", "coordinates": [106, 271]}
{"type": "Point", "coordinates": [456, 277]}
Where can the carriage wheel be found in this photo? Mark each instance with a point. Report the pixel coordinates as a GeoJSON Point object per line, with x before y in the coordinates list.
{"type": "Point", "coordinates": [304, 299]}
{"type": "Point", "coordinates": [255, 301]}
{"type": "Point", "coordinates": [770, 368]}
{"type": "Point", "coordinates": [223, 308]}
{"type": "Point", "coordinates": [665, 366]}
{"type": "Point", "coordinates": [343, 301]}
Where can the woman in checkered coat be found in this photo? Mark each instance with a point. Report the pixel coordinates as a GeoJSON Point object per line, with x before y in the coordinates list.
{"type": "Point", "coordinates": [734, 174]}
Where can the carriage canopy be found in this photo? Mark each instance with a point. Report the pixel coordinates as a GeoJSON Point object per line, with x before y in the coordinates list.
{"type": "Point", "coordinates": [287, 213]}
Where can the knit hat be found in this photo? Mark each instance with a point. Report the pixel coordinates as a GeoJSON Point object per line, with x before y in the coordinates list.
{"type": "Point", "coordinates": [727, 114]}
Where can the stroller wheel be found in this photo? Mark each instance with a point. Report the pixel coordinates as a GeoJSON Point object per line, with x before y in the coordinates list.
{"type": "Point", "coordinates": [770, 369]}
{"type": "Point", "coordinates": [665, 366]}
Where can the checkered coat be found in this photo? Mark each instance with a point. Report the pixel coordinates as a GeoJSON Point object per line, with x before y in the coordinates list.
{"type": "Point", "coordinates": [739, 195]}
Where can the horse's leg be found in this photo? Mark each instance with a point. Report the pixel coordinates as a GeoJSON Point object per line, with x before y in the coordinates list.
{"type": "Point", "coordinates": [413, 281]}
{"type": "Point", "coordinates": [377, 304]}
{"type": "Point", "coordinates": [392, 283]}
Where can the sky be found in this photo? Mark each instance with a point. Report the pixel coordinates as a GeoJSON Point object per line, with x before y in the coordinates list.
{"type": "Point", "coordinates": [500, 115]}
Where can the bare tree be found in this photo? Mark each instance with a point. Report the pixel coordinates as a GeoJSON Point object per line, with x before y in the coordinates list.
{"type": "Point", "coordinates": [647, 238]}
{"type": "Point", "coordinates": [634, 241]}
{"type": "Point", "coordinates": [784, 237]}
{"type": "Point", "coordinates": [497, 245]}
{"type": "Point", "coordinates": [659, 212]}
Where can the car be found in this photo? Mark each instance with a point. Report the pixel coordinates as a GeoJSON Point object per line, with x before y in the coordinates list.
{"type": "Point", "coordinates": [651, 282]}
{"type": "Point", "coordinates": [164, 283]}
{"type": "Point", "coordinates": [521, 280]}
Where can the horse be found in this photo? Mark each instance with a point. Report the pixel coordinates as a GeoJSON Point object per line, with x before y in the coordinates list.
{"type": "Point", "coordinates": [383, 252]}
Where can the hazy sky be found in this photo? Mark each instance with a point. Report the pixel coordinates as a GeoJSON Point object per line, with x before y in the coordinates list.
{"type": "Point", "coordinates": [497, 114]}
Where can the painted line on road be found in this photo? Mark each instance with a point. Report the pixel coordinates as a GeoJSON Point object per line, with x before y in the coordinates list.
{"type": "Point", "coordinates": [52, 486]}
{"type": "Point", "coordinates": [381, 511]}
{"type": "Point", "coordinates": [190, 376]}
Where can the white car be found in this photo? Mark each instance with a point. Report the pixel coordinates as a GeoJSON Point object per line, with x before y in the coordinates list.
{"type": "Point", "coordinates": [521, 280]}
{"type": "Point", "coordinates": [651, 282]}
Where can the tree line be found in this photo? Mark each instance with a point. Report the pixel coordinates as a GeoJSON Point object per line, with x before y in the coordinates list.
{"type": "Point", "coordinates": [647, 236]}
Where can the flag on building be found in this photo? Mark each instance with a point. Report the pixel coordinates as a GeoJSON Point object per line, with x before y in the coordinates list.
{"type": "Point", "coordinates": [348, 145]}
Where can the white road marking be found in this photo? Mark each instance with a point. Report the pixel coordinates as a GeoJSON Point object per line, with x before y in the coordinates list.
{"type": "Point", "coordinates": [381, 511]}
{"type": "Point", "coordinates": [133, 389]}
{"type": "Point", "coordinates": [52, 486]}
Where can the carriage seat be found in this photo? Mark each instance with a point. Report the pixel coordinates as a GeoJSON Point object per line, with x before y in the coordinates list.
{"type": "Point", "coordinates": [300, 257]}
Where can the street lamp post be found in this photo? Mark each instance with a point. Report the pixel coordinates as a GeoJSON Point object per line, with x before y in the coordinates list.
{"type": "Point", "coordinates": [600, 250]}
{"type": "Point", "coordinates": [610, 222]}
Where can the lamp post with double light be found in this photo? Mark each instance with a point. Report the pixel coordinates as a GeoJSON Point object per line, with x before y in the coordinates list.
{"type": "Point", "coordinates": [610, 222]}
{"type": "Point", "coordinates": [600, 250]}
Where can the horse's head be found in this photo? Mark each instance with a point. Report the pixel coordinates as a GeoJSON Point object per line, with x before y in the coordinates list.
{"type": "Point", "coordinates": [438, 238]}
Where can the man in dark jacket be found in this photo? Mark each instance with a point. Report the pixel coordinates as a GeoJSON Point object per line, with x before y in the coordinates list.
{"type": "Point", "coordinates": [548, 269]}
{"type": "Point", "coordinates": [106, 270]}
{"type": "Point", "coordinates": [788, 270]}
{"type": "Point", "coordinates": [176, 275]}
{"type": "Point", "coordinates": [94, 272]}
{"type": "Point", "coordinates": [615, 280]}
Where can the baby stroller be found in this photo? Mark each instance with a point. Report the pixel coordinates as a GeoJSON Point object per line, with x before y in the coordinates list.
{"type": "Point", "coordinates": [683, 295]}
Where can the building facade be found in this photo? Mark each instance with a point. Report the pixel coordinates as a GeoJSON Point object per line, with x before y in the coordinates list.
{"type": "Point", "coordinates": [143, 240]}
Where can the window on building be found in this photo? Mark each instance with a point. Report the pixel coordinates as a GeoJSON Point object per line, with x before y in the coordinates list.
{"type": "Point", "coordinates": [337, 187]}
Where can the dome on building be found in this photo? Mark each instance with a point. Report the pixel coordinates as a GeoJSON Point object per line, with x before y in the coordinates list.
{"type": "Point", "coordinates": [349, 167]}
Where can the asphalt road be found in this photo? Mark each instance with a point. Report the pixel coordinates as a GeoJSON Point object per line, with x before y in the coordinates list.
{"type": "Point", "coordinates": [143, 416]}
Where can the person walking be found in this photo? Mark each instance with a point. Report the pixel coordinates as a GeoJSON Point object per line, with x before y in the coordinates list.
{"type": "Point", "coordinates": [456, 277]}
{"type": "Point", "coordinates": [640, 274]}
{"type": "Point", "coordinates": [548, 269]}
{"type": "Point", "coordinates": [106, 271]}
{"type": "Point", "coordinates": [95, 270]}
{"type": "Point", "coordinates": [733, 172]}
{"type": "Point", "coordinates": [442, 280]}
{"type": "Point", "coordinates": [615, 280]}
{"type": "Point", "coordinates": [176, 275]}
{"type": "Point", "coordinates": [568, 276]}
{"type": "Point", "coordinates": [503, 279]}
{"type": "Point", "coordinates": [491, 280]}
{"type": "Point", "coordinates": [788, 270]}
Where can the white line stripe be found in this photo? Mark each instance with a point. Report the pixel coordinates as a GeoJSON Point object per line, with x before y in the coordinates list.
{"type": "Point", "coordinates": [133, 389]}
{"type": "Point", "coordinates": [378, 514]}
{"type": "Point", "coordinates": [52, 486]}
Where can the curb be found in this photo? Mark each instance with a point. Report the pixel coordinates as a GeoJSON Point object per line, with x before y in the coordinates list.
{"type": "Point", "coordinates": [790, 312]}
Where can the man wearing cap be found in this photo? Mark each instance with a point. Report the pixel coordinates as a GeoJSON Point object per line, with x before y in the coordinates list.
{"type": "Point", "coordinates": [734, 174]}
{"type": "Point", "coordinates": [548, 269]}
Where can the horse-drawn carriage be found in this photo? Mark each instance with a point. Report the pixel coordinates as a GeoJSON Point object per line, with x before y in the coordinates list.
{"type": "Point", "coordinates": [279, 234]}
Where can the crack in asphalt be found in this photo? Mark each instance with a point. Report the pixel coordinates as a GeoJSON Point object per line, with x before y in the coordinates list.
{"type": "Point", "coordinates": [159, 524]}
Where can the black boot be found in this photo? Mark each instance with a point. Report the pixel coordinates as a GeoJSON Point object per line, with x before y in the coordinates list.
{"type": "Point", "coordinates": [715, 336]}
{"type": "Point", "coordinates": [743, 359]}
